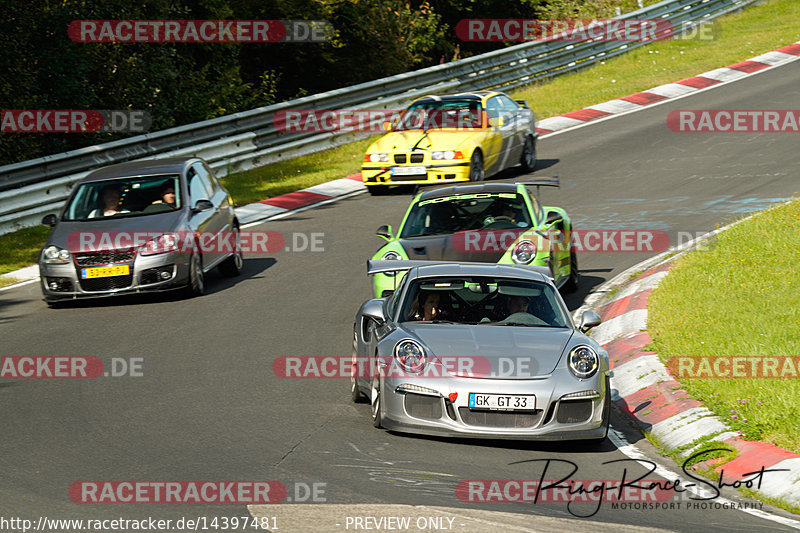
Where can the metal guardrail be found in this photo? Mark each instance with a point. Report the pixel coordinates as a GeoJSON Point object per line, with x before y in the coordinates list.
{"type": "Point", "coordinates": [249, 139]}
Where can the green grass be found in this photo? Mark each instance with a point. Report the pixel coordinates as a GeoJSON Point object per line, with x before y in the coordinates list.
{"type": "Point", "coordinates": [21, 248]}
{"type": "Point", "coordinates": [756, 30]}
{"type": "Point", "coordinates": [740, 298]}
{"type": "Point", "coordinates": [295, 174]}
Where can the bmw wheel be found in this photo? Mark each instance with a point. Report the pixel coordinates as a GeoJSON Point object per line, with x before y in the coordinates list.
{"type": "Point", "coordinates": [528, 159]}
{"type": "Point", "coordinates": [476, 172]}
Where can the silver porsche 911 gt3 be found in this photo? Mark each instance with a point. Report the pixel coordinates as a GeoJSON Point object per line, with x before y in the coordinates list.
{"type": "Point", "coordinates": [479, 350]}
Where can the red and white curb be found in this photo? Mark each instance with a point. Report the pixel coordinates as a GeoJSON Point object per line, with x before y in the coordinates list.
{"type": "Point", "coordinates": [670, 91]}
{"type": "Point", "coordinates": [643, 388]}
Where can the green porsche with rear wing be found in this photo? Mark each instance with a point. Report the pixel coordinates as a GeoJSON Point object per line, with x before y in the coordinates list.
{"type": "Point", "coordinates": [500, 223]}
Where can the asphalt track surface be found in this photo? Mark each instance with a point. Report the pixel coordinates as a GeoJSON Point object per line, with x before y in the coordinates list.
{"type": "Point", "coordinates": [210, 408]}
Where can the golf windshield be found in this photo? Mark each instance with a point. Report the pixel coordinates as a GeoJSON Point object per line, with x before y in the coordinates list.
{"type": "Point", "coordinates": [126, 197]}
{"type": "Point", "coordinates": [483, 301]}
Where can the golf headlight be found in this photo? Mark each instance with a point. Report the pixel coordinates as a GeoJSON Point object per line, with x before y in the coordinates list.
{"type": "Point", "coordinates": [523, 253]}
{"type": "Point", "coordinates": [55, 255]}
{"type": "Point", "coordinates": [161, 244]}
{"type": "Point", "coordinates": [410, 355]}
{"type": "Point", "coordinates": [390, 256]}
{"type": "Point", "coordinates": [583, 361]}
{"type": "Point", "coordinates": [379, 158]}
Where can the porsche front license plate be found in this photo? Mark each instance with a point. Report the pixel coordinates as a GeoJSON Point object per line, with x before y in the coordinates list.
{"type": "Point", "coordinates": [409, 171]}
{"type": "Point", "coordinates": [505, 402]}
{"type": "Point", "coordinates": [105, 272]}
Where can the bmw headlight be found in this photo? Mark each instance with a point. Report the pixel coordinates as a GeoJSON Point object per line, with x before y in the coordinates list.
{"type": "Point", "coordinates": [447, 154]}
{"type": "Point", "coordinates": [161, 244]}
{"type": "Point", "coordinates": [583, 361]}
{"type": "Point", "coordinates": [378, 158]}
{"type": "Point", "coordinates": [55, 255]}
{"type": "Point", "coordinates": [523, 252]}
{"type": "Point", "coordinates": [410, 355]}
{"type": "Point", "coordinates": [391, 256]}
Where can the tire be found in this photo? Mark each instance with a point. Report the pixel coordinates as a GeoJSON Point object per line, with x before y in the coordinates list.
{"type": "Point", "coordinates": [528, 159]}
{"type": "Point", "coordinates": [233, 265]}
{"type": "Point", "coordinates": [476, 171]}
{"type": "Point", "coordinates": [356, 395]}
{"type": "Point", "coordinates": [376, 401]}
{"type": "Point", "coordinates": [574, 274]}
{"type": "Point", "coordinates": [196, 285]}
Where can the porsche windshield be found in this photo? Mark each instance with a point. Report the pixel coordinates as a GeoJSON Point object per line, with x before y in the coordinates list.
{"type": "Point", "coordinates": [483, 301]}
{"type": "Point", "coordinates": [127, 197]}
{"type": "Point", "coordinates": [439, 114]}
{"type": "Point", "coordinates": [462, 212]}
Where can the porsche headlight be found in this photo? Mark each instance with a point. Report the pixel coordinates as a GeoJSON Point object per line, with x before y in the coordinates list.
{"type": "Point", "coordinates": [55, 255]}
{"type": "Point", "coordinates": [523, 253]}
{"type": "Point", "coordinates": [161, 244]}
{"type": "Point", "coordinates": [583, 361]}
{"type": "Point", "coordinates": [378, 158]}
{"type": "Point", "coordinates": [410, 355]}
{"type": "Point", "coordinates": [390, 256]}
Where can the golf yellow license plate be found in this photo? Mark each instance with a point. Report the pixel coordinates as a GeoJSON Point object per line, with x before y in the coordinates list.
{"type": "Point", "coordinates": [105, 272]}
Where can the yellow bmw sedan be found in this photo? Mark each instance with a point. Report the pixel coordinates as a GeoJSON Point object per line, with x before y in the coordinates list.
{"type": "Point", "coordinates": [457, 137]}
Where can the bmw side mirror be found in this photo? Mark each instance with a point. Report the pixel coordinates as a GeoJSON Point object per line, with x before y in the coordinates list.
{"type": "Point", "coordinates": [50, 220]}
{"type": "Point", "coordinates": [373, 310]}
{"type": "Point", "coordinates": [202, 205]}
{"type": "Point", "coordinates": [589, 319]}
{"type": "Point", "coordinates": [384, 232]}
{"type": "Point", "coordinates": [496, 122]}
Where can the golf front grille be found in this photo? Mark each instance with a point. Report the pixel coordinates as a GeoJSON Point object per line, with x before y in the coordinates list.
{"type": "Point", "coordinates": [104, 258]}
{"type": "Point", "coordinates": [500, 419]}
{"type": "Point", "coordinates": [106, 284]}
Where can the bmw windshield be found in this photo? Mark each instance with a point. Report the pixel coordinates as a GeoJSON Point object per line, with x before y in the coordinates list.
{"type": "Point", "coordinates": [439, 114]}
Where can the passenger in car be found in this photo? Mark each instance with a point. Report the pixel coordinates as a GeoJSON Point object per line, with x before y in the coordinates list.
{"type": "Point", "coordinates": [167, 196]}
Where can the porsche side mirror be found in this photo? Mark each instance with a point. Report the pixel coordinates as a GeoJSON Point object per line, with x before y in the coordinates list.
{"type": "Point", "coordinates": [373, 310]}
{"type": "Point", "coordinates": [552, 216]}
{"type": "Point", "coordinates": [384, 232]}
{"type": "Point", "coordinates": [589, 319]}
{"type": "Point", "coordinates": [50, 220]}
